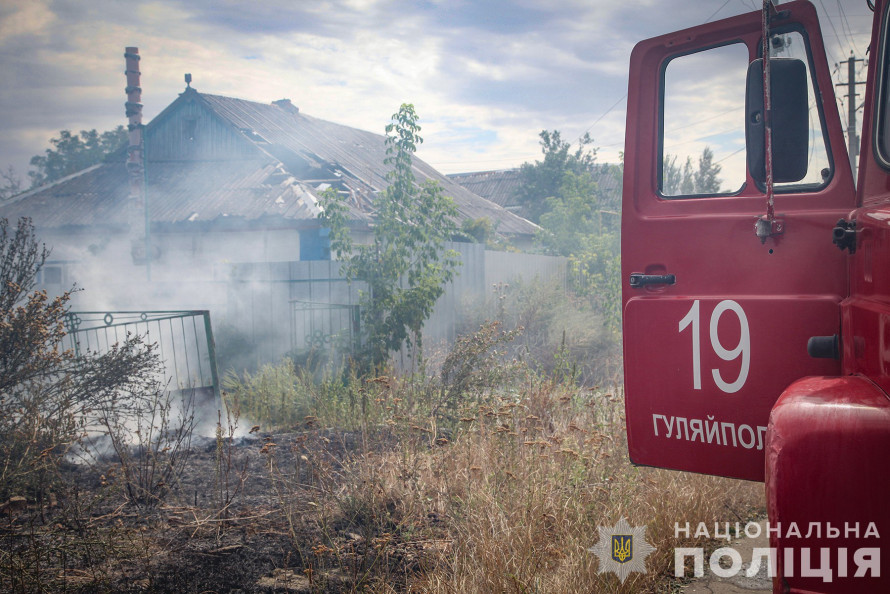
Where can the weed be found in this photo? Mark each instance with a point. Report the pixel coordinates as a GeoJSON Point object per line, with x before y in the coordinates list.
{"type": "Point", "coordinates": [230, 473]}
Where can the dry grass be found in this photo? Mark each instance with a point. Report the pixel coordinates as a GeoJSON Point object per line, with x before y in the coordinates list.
{"type": "Point", "coordinates": [511, 500]}
{"type": "Point", "coordinates": [504, 493]}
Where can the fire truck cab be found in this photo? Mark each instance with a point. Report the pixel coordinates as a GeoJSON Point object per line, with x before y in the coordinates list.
{"type": "Point", "coordinates": [756, 283]}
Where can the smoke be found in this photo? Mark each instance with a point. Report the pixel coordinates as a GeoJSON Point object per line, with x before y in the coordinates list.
{"type": "Point", "coordinates": [264, 303]}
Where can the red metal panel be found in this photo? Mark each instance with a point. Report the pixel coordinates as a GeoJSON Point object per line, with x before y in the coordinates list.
{"type": "Point", "coordinates": [866, 313]}
{"type": "Point", "coordinates": [787, 288]}
{"type": "Point", "coordinates": [664, 408]}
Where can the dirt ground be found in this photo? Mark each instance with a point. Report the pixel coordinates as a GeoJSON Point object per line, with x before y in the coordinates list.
{"type": "Point", "coordinates": [260, 516]}
{"type": "Point", "coordinates": [739, 584]}
{"type": "Point", "coordinates": [290, 512]}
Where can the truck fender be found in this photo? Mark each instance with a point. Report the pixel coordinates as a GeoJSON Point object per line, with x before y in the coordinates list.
{"type": "Point", "coordinates": [828, 481]}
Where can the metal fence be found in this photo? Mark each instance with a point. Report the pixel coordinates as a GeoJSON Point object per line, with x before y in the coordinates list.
{"type": "Point", "coordinates": [267, 310]}
{"type": "Point", "coordinates": [184, 341]}
{"type": "Point", "coordinates": [328, 328]}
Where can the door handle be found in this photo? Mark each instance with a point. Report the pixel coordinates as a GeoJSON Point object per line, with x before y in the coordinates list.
{"type": "Point", "coordinates": [640, 280]}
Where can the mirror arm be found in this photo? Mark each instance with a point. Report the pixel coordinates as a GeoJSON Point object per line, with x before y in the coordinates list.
{"type": "Point", "coordinates": [764, 226]}
{"type": "Point", "coordinates": [768, 225]}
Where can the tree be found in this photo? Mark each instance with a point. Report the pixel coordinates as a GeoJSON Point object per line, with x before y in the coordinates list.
{"type": "Point", "coordinates": [11, 183]}
{"type": "Point", "coordinates": [477, 230]}
{"type": "Point", "coordinates": [406, 266]}
{"type": "Point", "coordinates": [688, 181]}
{"type": "Point", "coordinates": [542, 179]}
{"type": "Point", "coordinates": [579, 219]}
{"type": "Point", "coordinates": [47, 394]}
{"type": "Point", "coordinates": [75, 152]}
{"type": "Point", "coordinates": [706, 180]}
{"type": "Point", "coordinates": [571, 215]}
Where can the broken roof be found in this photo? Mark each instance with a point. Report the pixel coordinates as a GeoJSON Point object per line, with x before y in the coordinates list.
{"type": "Point", "coordinates": [285, 159]}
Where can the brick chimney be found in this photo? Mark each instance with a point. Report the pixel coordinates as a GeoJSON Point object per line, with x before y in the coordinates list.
{"type": "Point", "coordinates": [137, 216]}
{"type": "Point", "coordinates": [135, 157]}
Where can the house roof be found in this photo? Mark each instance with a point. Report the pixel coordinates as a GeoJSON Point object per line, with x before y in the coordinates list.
{"type": "Point", "coordinates": [354, 157]}
{"type": "Point", "coordinates": [502, 186]}
{"type": "Point", "coordinates": [176, 193]}
{"type": "Point", "coordinates": [285, 159]}
{"type": "Point", "coordinates": [498, 186]}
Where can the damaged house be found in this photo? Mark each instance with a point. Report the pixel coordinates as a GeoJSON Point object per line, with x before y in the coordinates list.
{"type": "Point", "coordinates": [229, 220]}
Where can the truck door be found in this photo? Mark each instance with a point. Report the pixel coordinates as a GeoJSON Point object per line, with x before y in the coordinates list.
{"type": "Point", "coordinates": [716, 321]}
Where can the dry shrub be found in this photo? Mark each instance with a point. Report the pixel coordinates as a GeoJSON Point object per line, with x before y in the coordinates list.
{"type": "Point", "coordinates": [48, 395]}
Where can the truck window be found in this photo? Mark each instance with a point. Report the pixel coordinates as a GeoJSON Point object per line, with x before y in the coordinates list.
{"type": "Point", "coordinates": [703, 127]}
{"type": "Point", "coordinates": [793, 45]}
{"type": "Point", "coordinates": [882, 120]}
{"type": "Point", "coordinates": [703, 122]}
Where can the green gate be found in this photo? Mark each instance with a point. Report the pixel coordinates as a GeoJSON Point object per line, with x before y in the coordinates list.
{"type": "Point", "coordinates": [184, 341]}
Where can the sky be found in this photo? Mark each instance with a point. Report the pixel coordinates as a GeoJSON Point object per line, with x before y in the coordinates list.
{"type": "Point", "coordinates": [485, 76]}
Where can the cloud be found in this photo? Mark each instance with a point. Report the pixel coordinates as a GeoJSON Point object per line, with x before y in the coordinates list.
{"type": "Point", "coordinates": [486, 77]}
{"type": "Point", "coordinates": [30, 19]}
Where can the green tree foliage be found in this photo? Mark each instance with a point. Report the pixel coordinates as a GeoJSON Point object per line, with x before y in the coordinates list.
{"type": "Point", "coordinates": [579, 204]}
{"type": "Point", "coordinates": [687, 180]}
{"type": "Point", "coordinates": [73, 152]}
{"type": "Point", "coordinates": [477, 230]}
{"type": "Point", "coordinates": [406, 265]}
{"type": "Point", "coordinates": [542, 179]}
{"type": "Point", "coordinates": [572, 215]}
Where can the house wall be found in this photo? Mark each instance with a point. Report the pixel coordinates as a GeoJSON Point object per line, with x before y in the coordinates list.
{"type": "Point", "coordinates": [264, 302]}
{"type": "Point", "coordinates": [191, 132]}
{"type": "Point", "coordinates": [102, 264]}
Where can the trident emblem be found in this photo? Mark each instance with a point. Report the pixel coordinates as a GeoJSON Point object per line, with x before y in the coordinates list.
{"type": "Point", "coordinates": [622, 547]}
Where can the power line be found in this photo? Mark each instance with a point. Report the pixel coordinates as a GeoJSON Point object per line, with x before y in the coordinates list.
{"type": "Point", "coordinates": [614, 105]}
{"type": "Point", "coordinates": [730, 155]}
{"type": "Point", "coordinates": [716, 11]}
{"type": "Point", "coordinates": [849, 30]}
{"type": "Point", "coordinates": [734, 110]}
{"type": "Point", "coordinates": [831, 22]}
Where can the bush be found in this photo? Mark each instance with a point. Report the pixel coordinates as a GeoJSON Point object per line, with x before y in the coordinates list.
{"type": "Point", "coordinates": [562, 336]}
{"type": "Point", "coordinates": [47, 394]}
{"type": "Point", "coordinates": [473, 368]}
{"type": "Point", "coordinates": [274, 395]}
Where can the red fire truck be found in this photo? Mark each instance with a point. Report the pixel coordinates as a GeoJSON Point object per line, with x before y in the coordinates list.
{"type": "Point", "coordinates": [756, 298]}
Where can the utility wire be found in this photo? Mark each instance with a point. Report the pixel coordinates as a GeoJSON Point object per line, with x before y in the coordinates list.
{"type": "Point", "coordinates": [831, 22]}
{"type": "Point", "coordinates": [730, 155]}
{"type": "Point", "coordinates": [849, 31]}
{"type": "Point", "coordinates": [605, 113]}
{"type": "Point", "coordinates": [716, 11]}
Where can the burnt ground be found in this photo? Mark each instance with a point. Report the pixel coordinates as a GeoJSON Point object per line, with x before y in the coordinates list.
{"type": "Point", "coordinates": [263, 513]}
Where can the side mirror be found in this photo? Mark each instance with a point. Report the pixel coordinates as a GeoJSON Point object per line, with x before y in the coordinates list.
{"type": "Point", "coordinates": [790, 120]}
